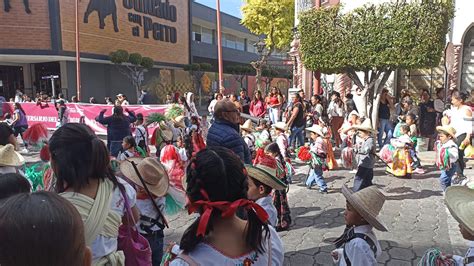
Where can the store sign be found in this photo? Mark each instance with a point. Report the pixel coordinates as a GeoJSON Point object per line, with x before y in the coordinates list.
{"type": "Point", "coordinates": [144, 11]}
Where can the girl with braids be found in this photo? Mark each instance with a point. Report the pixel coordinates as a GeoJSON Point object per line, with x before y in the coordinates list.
{"type": "Point", "coordinates": [80, 162]}
{"type": "Point", "coordinates": [280, 199]}
{"type": "Point", "coordinates": [217, 188]}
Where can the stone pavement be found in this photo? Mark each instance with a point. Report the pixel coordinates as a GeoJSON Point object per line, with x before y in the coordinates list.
{"type": "Point", "coordinates": [414, 213]}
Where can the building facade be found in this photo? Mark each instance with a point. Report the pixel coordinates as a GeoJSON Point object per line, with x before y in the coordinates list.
{"type": "Point", "coordinates": [38, 40]}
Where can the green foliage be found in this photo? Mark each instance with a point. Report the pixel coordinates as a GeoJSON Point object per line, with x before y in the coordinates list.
{"type": "Point", "coordinates": [239, 69]}
{"type": "Point", "coordinates": [197, 67]}
{"type": "Point", "coordinates": [135, 59]}
{"type": "Point", "coordinates": [119, 56]}
{"type": "Point", "coordinates": [270, 73]}
{"type": "Point", "coordinates": [375, 37]}
{"type": "Point", "coordinates": [272, 18]}
{"type": "Point", "coordinates": [155, 118]}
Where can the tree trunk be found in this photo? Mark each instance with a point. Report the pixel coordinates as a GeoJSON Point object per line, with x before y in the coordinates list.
{"type": "Point", "coordinates": [258, 77]}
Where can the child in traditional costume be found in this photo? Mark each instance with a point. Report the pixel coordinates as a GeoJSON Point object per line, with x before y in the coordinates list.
{"type": "Point", "coordinates": [348, 136]}
{"type": "Point", "coordinates": [318, 150]}
{"type": "Point", "coordinates": [128, 150]}
{"type": "Point", "coordinates": [262, 180]}
{"type": "Point", "coordinates": [141, 134]}
{"type": "Point", "coordinates": [447, 154]}
{"type": "Point", "coordinates": [358, 245]}
{"type": "Point", "coordinates": [365, 156]}
{"type": "Point", "coordinates": [401, 161]}
{"type": "Point", "coordinates": [246, 131]}
{"type": "Point", "coordinates": [411, 122]}
{"type": "Point", "coordinates": [330, 157]}
{"type": "Point", "coordinates": [274, 159]}
{"type": "Point", "coordinates": [152, 184]}
{"type": "Point", "coordinates": [282, 142]}
{"type": "Point", "coordinates": [195, 134]}
{"type": "Point", "coordinates": [171, 159]}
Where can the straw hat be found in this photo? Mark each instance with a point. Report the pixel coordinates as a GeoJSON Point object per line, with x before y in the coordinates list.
{"type": "Point", "coordinates": [152, 171]}
{"type": "Point", "coordinates": [316, 129]}
{"type": "Point", "coordinates": [266, 175]}
{"type": "Point", "coordinates": [367, 202]}
{"type": "Point", "coordinates": [166, 132]}
{"type": "Point", "coordinates": [354, 112]}
{"type": "Point", "coordinates": [280, 125]}
{"type": "Point", "coordinates": [9, 157]}
{"type": "Point", "coordinates": [179, 121]}
{"type": "Point", "coordinates": [460, 202]}
{"type": "Point", "coordinates": [247, 126]}
{"type": "Point", "coordinates": [365, 126]}
{"type": "Point", "coordinates": [447, 129]}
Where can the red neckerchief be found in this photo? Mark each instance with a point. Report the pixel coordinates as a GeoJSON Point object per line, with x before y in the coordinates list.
{"type": "Point", "coordinates": [227, 208]}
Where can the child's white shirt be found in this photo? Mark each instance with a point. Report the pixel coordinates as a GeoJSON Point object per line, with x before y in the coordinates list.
{"type": "Point", "coordinates": [123, 155]}
{"type": "Point", "coordinates": [452, 148]}
{"type": "Point", "coordinates": [470, 253]}
{"type": "Point", "coordinates": [267, 204]}
{"type": "Point", "coordinates": [358, 250]}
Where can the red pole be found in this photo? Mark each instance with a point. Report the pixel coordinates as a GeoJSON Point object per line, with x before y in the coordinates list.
{"type": "Point", "coordinates": [219, 44]}
{"type": "Point", "coordinates": [317, 74]}
{"type": "Point", "coordinates": [78, 55]}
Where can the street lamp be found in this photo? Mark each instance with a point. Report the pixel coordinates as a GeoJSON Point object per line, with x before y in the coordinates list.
{"type": "Point", "coordinates": [260, 47]}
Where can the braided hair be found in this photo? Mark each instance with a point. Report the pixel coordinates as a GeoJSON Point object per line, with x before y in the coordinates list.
{"type": "Point", "coordinates": [220, 173]}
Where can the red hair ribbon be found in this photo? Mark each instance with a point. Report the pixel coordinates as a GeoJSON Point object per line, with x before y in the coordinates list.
{"type": "Point", "coordinates": [227, 208]}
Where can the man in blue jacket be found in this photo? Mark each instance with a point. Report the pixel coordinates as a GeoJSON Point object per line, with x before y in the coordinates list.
{"type": "Point", "coordinates": [224, 132]}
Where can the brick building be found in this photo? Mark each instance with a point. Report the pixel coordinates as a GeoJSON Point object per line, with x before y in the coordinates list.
{"type": "Point", "coordinates": [39, 40]}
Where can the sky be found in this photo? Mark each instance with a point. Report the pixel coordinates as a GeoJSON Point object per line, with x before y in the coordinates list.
{"type": "Point", "coordinates": [231, 7]}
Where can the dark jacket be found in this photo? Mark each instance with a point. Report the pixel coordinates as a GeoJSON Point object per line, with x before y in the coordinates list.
{"type": "Point", "coordinates": [117, 128]}
{"type": "Point", "coordinates": [224, 134]}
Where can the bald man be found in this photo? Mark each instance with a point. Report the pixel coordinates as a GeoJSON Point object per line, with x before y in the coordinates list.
{"type": "Point", "coordinates": [224, 132]}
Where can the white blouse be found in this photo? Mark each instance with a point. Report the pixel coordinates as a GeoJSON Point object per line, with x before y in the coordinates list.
{"type": "Point", "coordinates": [205, 254]}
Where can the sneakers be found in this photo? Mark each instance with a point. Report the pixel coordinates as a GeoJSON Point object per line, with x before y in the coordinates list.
{"type": "Point", "coordinates": [325, 191]}
{"type": "Point", "coordinates": [25, 150]}
{"type": "Point", "coordinates": [353, 171]}
{"type": "Point", "coordinates": [419, 171]}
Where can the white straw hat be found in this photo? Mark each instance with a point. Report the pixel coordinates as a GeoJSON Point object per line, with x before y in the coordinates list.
{"type": "Point", "coordinates": [280, 125]}
{"type": "Point", "coordinates": [247, 126]}
{"type": "Point", "coordinates": [316, 129]}
{"type": "Point", "coordinates": [367, 202]}
{"type": "Point", "coordinates": [166, 132]}
{"type": "Point", "coordinates": [460, 202]}
{"type": "Point", "coordinates": [354, 112]}
{"type": "Point", "coordinates": [179, 121]}
{"type": "Point", "coordinates": [365, 126]}
{"type": "Point", "coordinates": [447, 129]}
{"type": "Point", "coordinates": [9, 157]}
{"type": "Point", "coordinates": [153, 173]}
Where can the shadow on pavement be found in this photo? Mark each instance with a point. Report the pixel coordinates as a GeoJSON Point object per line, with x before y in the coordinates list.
{"type": "Point", "coordinates": [326, 219]}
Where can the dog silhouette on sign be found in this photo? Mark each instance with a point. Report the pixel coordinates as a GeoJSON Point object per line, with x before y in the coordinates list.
{"type": "Point", "coordinates": [104, 8]}
{"type": "Point", "coordinates": [7, 6]}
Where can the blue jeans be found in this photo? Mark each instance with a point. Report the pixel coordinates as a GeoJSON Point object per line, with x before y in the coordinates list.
{"type": "Point", "coordinates": [296, 134]}
{"type": "Point", "coordinates": [274, 114]}
{"type": "Point", "coordinates": [156, 246]}
{"type": "Point", "coordinates": [385, 126]}
{"type": "Point", "coordinates": [316, 176]}
{"type": "Point", "coordinates": [115, 147]}
{"type": "Point", "coordinates": [445, 177]}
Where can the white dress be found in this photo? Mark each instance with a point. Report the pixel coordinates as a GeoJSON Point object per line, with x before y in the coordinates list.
{"type": "Point", "coordinates": [205, 254]}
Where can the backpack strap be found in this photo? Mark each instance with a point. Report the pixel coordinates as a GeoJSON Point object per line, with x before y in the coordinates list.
{"type": "Point", "coordinates": [367, 239]}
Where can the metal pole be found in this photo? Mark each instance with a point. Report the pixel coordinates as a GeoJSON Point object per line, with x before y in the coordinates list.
{"type": "Point", "coordinates": [317, 74]}
{"type": "Point", "coordinates": [78, 55]}
{"type": "Point", "coordinates": [219, 44]}
{"type": "Point", "coordinates": [52, 87]}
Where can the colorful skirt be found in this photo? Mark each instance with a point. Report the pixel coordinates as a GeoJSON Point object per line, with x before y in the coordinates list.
{"type": "Point", "coordinates": [401, 165]}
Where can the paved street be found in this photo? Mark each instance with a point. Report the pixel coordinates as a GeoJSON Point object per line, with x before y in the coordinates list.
{"type": "Point", "coordinates": [414, 212]}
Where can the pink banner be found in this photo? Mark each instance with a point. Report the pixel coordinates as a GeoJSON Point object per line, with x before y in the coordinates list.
{"type": "Point", "coordinates": [47, 114]}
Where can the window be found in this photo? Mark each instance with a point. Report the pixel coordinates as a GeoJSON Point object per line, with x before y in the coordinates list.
{"type": "Point", "coordinates": [251, 47]}
{"type": "Point", "coordinates": [206, 35]}
{"type": "Point", "coordinates": [230, 41]}
{"type": "Point", "coordinates": [197, 36]}
{"type": "Point", "coordinates": [240, 44]}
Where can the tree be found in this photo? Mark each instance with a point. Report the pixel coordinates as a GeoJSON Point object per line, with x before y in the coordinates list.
{"type": "Point", "coordinates": [375, 40]}
{"type": "Point", "coordinates": [239, 72]}
{"type": "Point", "coordinates": [197, 71]}
{"type": "Point", "coordinates": [136, 65]}
{"type": "Point", "coordinates": [269, 73]}
{"type": "Point", "coordinates": [272, 18]}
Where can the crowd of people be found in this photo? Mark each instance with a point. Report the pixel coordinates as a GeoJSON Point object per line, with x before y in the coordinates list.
{"type": "Point", "coordinates": [96, 203]}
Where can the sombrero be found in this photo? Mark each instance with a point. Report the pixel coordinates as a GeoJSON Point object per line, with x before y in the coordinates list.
{"type": "Point", "coordinates": [447, 129]}
{"type": "Point", "coordinates": [166, 132]}
{"type": "Point", "coordinates": [367, 202]}
{"type": "Point", "coordinates": [9, 157]}
{"type": "Point", "coordinates": [365, 126]}
{"type": "Point", "coordinates": [460, 202]}
{"type": "Point", "coordinates": [316, 129]}
{"type": "Point", "coordinates": [179, 121]}
{"type": "Point", "coordinates": [152, 171]}
{"type": "Point", "coordinates": [280, 125]}
{"type": "Point", "coordinates": [354, 112]}
{"type": "Point", "coordinates": [247, 126]}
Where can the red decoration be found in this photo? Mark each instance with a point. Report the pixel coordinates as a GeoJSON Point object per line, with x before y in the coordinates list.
{"type": "Point", "coordinates": [304, 154]}
{"type": "Point", "coordinates": [44, 153]}
{"type": "Point", "coordinates": [35, 134]}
